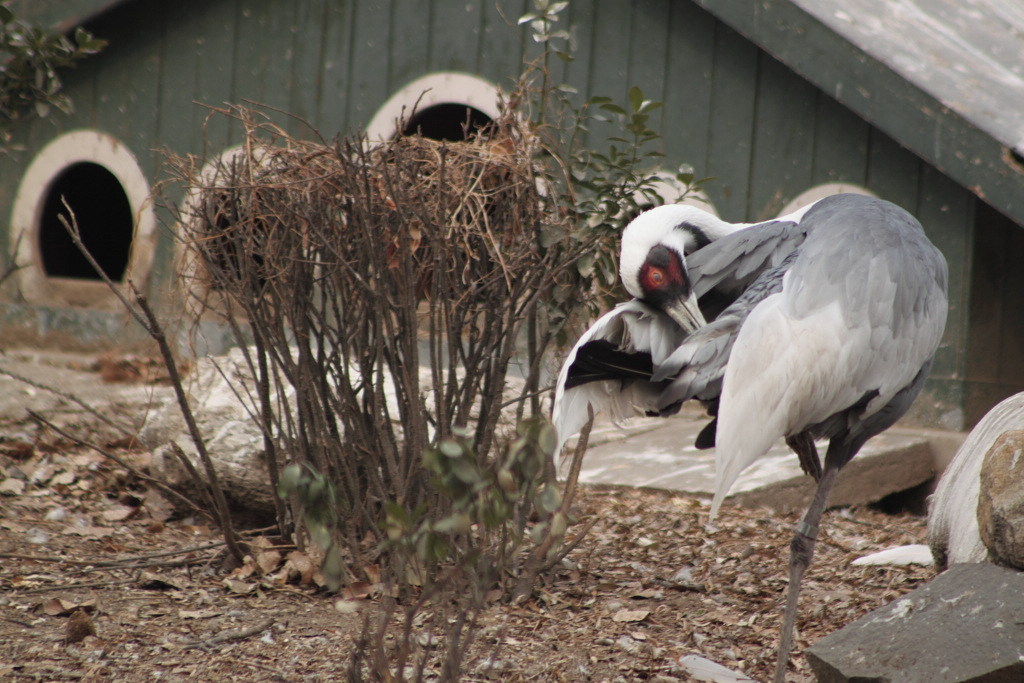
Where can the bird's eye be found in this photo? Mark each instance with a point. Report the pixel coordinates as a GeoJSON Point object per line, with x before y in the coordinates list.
{"type": "Point", "coordinates": [657, 277]}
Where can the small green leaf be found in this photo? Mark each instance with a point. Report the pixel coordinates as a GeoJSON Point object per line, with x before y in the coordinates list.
{"type": "Point", "coordinates": [649, 106]}
{"type": "Point", "coordinates": [636, 98]}
{"type": "Point", "coordinates": [457, 523]}
{"type": "Point", "coordinates": [613, 108]}
{"type": "Point", "coordinates": [558, 525]}
{"type": "Point", "coordinates": [466, 471]}
{"type": "Point", "coordinates": [289, 481]}
{"type": "Point", "coordinates": [548, 438]}
{"type": "Point", "coordinates": [507, 482]}
{"type": "Point", "coordinates": [548, 499]}
{"type": "Point", "coordinates": [585, 265]}
{"type": "Point", "coordinates": [320, 534]}
{"type": "Point", "coordinates": [396, 513]}
{"type": "Point", "coordinates": [450, 448]}
{"type": "Point", "coordinates": [332, 568]}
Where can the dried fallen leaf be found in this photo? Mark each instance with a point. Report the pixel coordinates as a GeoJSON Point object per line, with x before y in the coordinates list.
{"type": "Point", "coordinates": [88, 531]}
{"type": "Point", "coordinates": [65, 478]}
{"type": "Point", "coordinates": [358, 590]}
{"type": "Point", "coordinates": [42, 473]}
{"type": "Point", "coordinates": [153, 581]}
{"type": "Point", "coordinates": [198, 613]}
{"type": "Point", "coordinates": [17, 449]}
{"type": "Point", "coordinates": [267, 555]}
{"type": "Point", "coordinates": [297, 567]}
{"type": "Point", "coordinates": [247, 570]}
{"type": "Point", "coordinates": [347, 606]}
{"type": "Point", "coordinates": [159, 508]}
{"type": "Point", "coordinates": [630, 615]}
{"type": "Point", "coordinates": [119, 513]}
{"type": "Point", "coordinates": [12, 487]}
{"type": "Point", "coordinates": [238, 587]}
{"type": "Point", "coordinates": [703, 669]}
{"type": "Point", "coordinates": [59, 607]}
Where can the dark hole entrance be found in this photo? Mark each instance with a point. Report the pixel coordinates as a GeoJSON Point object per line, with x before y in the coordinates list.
{"type": "Point", "coordinates": [234, 243]}
{"type": "Point", "coordinates": [450, 122]}
{"type": "Point", "coordinates": [104, 217]}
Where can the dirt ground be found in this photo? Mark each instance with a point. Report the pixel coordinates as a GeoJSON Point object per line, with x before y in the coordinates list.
{"type": "Point", "coordinates": [88, 548]}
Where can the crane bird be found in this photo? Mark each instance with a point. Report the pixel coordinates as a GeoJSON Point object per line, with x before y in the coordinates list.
{"type": "Point", "coordinates": [835, 344]}
{"type": "Point", "coordinates": [823, 325]}
{"type": "Point", "coordinates": [610, 368]}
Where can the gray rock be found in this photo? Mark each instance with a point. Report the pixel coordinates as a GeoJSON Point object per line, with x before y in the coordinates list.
{"type": "Point", "coordinates": [953, 515]}
{"type": "Point", "coordinates": [221, 395]}
{"type": "Point", "coordinates": [966, 625]}
{"type": "Point", "coordinates": [1001, 500]}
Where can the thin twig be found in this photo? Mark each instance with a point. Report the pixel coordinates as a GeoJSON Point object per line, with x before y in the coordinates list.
{"type": "Point", "coordinates": [118, 563]}
{"type": "Point", "coordinates": [145, 316]}
{"type": "Point", "coordinates": [123, 463]}
{"type": "Point", "coordinates": [69, 397]}
{"type": "Point", "coordinates": [72, 587]}
{"type": "Point", "coordinates": [234, 634]}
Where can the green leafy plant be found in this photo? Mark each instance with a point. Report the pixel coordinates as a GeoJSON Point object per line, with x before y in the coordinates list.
{"type": "Point", "coordinates": [599, 191]}
{"type": "Point", "coordinates": [464, 553]}
{"type": "Point", "coordinates": [30, 59]}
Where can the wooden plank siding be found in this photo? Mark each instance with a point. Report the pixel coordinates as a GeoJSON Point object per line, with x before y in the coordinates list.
{"type": "Point", "coordinates": [995, 329]}
{"type": "Point", "coordinates": [731, 133]}
{"type": "Point", "coordinates": [454, 36]}
{"type": "Point", "coordinates": [688, 86]}
{"type": "Point", "coordinates": [732, 111]}
{"type": "Point", "coordinates": [783, 151]}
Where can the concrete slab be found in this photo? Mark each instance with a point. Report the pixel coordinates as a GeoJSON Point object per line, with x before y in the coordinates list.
{"type": "Point", "coordinates": [659, 453]}
{"type": "Point", "coordinates": [646, 452]}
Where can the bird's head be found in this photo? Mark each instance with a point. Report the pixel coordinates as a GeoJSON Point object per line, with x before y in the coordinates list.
{"type": "Point", "coordinates": [652, 262]}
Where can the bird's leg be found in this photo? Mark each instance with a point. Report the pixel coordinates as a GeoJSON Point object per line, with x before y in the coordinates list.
{"type": "Point", "coordinates": [803, 445]}
{"type": "Point", "coordinates": [801, 550]}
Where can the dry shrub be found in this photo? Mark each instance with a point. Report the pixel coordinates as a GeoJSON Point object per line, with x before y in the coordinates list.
{"type": "Point", "coordinates": [386, 291]}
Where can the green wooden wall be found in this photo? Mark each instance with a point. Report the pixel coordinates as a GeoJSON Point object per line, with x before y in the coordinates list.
{"type": "Point", "coordinates": [731, 111]}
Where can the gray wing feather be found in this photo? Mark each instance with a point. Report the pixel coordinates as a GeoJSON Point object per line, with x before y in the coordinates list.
{"type": "Point", "coordinates": [698, 365]}
{"type": "Point", "coordinates": [731, 263]}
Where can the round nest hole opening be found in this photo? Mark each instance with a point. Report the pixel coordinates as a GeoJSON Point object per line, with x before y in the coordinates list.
{"type": "Point", "coordinates": [103, 213]}
{"type": "Point", "coordinates": [449, 122]}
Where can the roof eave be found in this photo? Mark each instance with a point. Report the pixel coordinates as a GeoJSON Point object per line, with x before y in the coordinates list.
{"type": "Point", "coordinates": [62, 16]}
{"type": "Point", "coordinates": [989, 167]}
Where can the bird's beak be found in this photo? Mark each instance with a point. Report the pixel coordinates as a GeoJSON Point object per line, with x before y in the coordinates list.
{"type": "Point", "coordinates": [687, 314]}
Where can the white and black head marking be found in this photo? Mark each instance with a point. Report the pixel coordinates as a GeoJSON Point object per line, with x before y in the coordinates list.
{"type": "Point", "coordinates": [652, 262]}
{"type": "Point", "coordinates": [663, 277]}
{"type": "Point", "coordinates": [655, 243]}
{"type": "Point", "coordinates": [698, 238]}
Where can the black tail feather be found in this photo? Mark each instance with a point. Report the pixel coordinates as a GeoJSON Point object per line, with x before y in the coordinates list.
{"type": "Point", "coordinates": [600, 360]}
